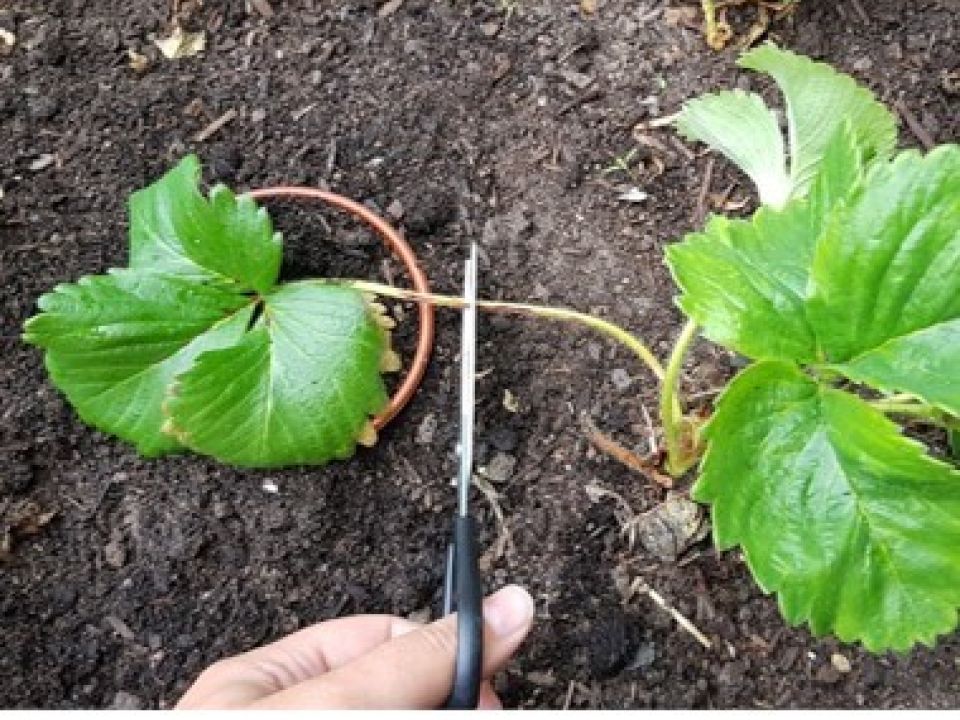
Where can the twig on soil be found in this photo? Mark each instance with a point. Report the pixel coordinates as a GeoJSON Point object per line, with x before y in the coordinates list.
{"type": "Point", "coordinates": [587, 96]}
{"type": "Point", "coordinates": [504, 541]}
{"type": "Point", "coordinates": [663, 121]}
{"type": "Point", "coordinates": [700, 212]}
{"type": "Point", "coordinates": [646, 466]}
{"type": "Point", "coordinates": [214, 127]}
{"type": "Point", "coordinates": [918, 130]}
{"type": "Point", "coordinates": [569, 698]}
{"type": "Point", "coordinates": [639, 586]}
{"type": "Point", "coordinates": [653, 447]}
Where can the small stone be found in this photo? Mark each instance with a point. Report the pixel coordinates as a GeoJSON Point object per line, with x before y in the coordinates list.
{"type": "Point", "coordinates": [542, 679]}
{"type": "Point", "coordinates": [841, 663]}
{"type": "Point", "coordinates": [862, 64]}
{"type": "Point", "coordinates": [671, 527]}
{"type": "Point", "coordinates": [828, 675]}
{"type": "Point", "coordinates": [258, 115]}
{"type": "Point", "coordinates": [645, 657]}
{"type": "Point", "coordinates": [114, 554]}
{"type": "Point", "coordinates": [395, 210]}
{"type": "Point", "coordinates": [126, 701]}
{"type": "Point", "coordinates": [42, 107]}
{"type": "Point", "coordinates": [501, 467]}
{"type": "Point", "coordinates": [621, 379]}
{"type": "Point", "coordinates": [490, 29]}
{"type": "Point", "coordinates": [426, 430]}
{"type": "Point", "coordinates": [271, 487]}
{"type": "Point", "coordinates": [578, 80]}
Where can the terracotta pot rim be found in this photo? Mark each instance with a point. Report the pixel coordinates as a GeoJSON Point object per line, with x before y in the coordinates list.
{"type": "Point", "coordinates": [404, 253]}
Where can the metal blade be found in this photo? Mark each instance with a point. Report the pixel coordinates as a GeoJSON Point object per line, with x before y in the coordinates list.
{"type": "Point", "coordinates": [468, 373]}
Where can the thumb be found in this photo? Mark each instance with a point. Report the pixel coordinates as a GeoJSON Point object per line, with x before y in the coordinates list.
{"type": "Point", "coordinates": [415, 670]}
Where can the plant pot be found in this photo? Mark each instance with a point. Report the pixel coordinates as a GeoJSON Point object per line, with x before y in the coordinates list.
{"type": "Point", "coordinates": [401, 250]}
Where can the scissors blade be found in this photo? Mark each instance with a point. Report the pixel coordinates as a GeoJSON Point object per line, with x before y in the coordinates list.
{"type": "Point", "coordinates": [468, 373]}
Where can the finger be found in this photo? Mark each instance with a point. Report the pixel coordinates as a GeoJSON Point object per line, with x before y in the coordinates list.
{"type": "Point", "coordinates": [245, 678]}
{"type": "Point", "coordinates": [415, 670]}
{"type": "Point", "coordinates": [488, 698]}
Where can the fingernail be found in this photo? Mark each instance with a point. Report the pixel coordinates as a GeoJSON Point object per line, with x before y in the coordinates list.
{"type": "Point", "coordinates": [508, 611]}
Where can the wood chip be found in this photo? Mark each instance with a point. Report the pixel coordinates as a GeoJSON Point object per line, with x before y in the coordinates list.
{"type": "Point", "coordinates": [43, 162]}
{"type": "Point", "coordinates": [211, 129]}
{"type": "Point", "coordinates": [263, 8]}
{"type": "Point", "coordinates": [119, 627]}
{"type": "Point", "coordinates": [138, 63]}
{"type": "Point", "coordinates": [389, 8]}
{"type": "Point", "coordinates": [297, 115]}
{"type": "Point", "coordinates": [918, 130]}
{"type": "Point", "coordinates": [7, 41]}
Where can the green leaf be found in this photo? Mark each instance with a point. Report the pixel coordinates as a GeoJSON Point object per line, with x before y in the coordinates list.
{"type": "Point", "coordinates": [890, 263]}
{"type": "Point", "coordinates": [925, 363]}
{"type": "Point", "coordinates": [298, 389]}
{"type": "Point", "coordinates": [819, 100]}
{"type": "Point", "coordinates": [115, 342]}
{"type": "Point", "coordinates": [895, 326]}
{"type": "Point", "coordinates": [174, 229]}
{"type": "Point", "coordinates": [745, 281]}
{"type": "Point", "coordinates": [741, 127]}
{"type": "Point", "coordinates": [839, 178]}
{"type": "Point", "coordinates": [865, 280]}
{"type": "Point", "coordinates": [852, 524]}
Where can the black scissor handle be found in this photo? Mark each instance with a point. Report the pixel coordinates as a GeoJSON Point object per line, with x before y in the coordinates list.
{"type": "Point", "coordinates": [462, 594]}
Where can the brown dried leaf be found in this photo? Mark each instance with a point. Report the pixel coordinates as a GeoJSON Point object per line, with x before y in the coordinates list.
{"type": "Point", "coordinates": [20, 519]}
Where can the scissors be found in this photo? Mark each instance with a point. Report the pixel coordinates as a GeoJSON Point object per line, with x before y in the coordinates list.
{"type": "Point", "coordinates": [462, 592]}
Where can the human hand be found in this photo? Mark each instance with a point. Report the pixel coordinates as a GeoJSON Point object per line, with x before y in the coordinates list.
{"type": "Point", "coordinates": [364, 662]}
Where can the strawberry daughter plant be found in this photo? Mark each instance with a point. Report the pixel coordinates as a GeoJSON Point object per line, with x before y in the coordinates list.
{"type": "Point", "coordinates": [842, 290]}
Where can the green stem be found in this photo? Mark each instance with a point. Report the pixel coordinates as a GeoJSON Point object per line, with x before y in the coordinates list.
{"type": "Point", "coordinates": [671, 412]}
{"type": "Point", "coordinates": [543, 311]}
{"type": "Point", "coordinates": [908, 408]}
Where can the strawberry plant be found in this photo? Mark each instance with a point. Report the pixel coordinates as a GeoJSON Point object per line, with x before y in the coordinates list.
{"type": "Point", "coordinates": [842, 290]}
{"type": "Point", "coordinates": [843, 287]}
{"type": "Point", "coordinates": [196, 345]}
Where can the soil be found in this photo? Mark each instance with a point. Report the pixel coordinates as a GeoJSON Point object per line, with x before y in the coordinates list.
{"type": "Point", "coordinates": [488, 121]}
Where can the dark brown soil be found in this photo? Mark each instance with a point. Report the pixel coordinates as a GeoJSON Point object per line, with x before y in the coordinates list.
{"type": "Point", "coordinates": [483, 128]}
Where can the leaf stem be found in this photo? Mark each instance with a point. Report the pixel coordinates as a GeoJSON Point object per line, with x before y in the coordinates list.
{"type": "Point", "coordinates": [917, 409]}
{"type": "Point", "coordinates": [605, 327]}
{"type": "Point", "coordinates": [671, 412]}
